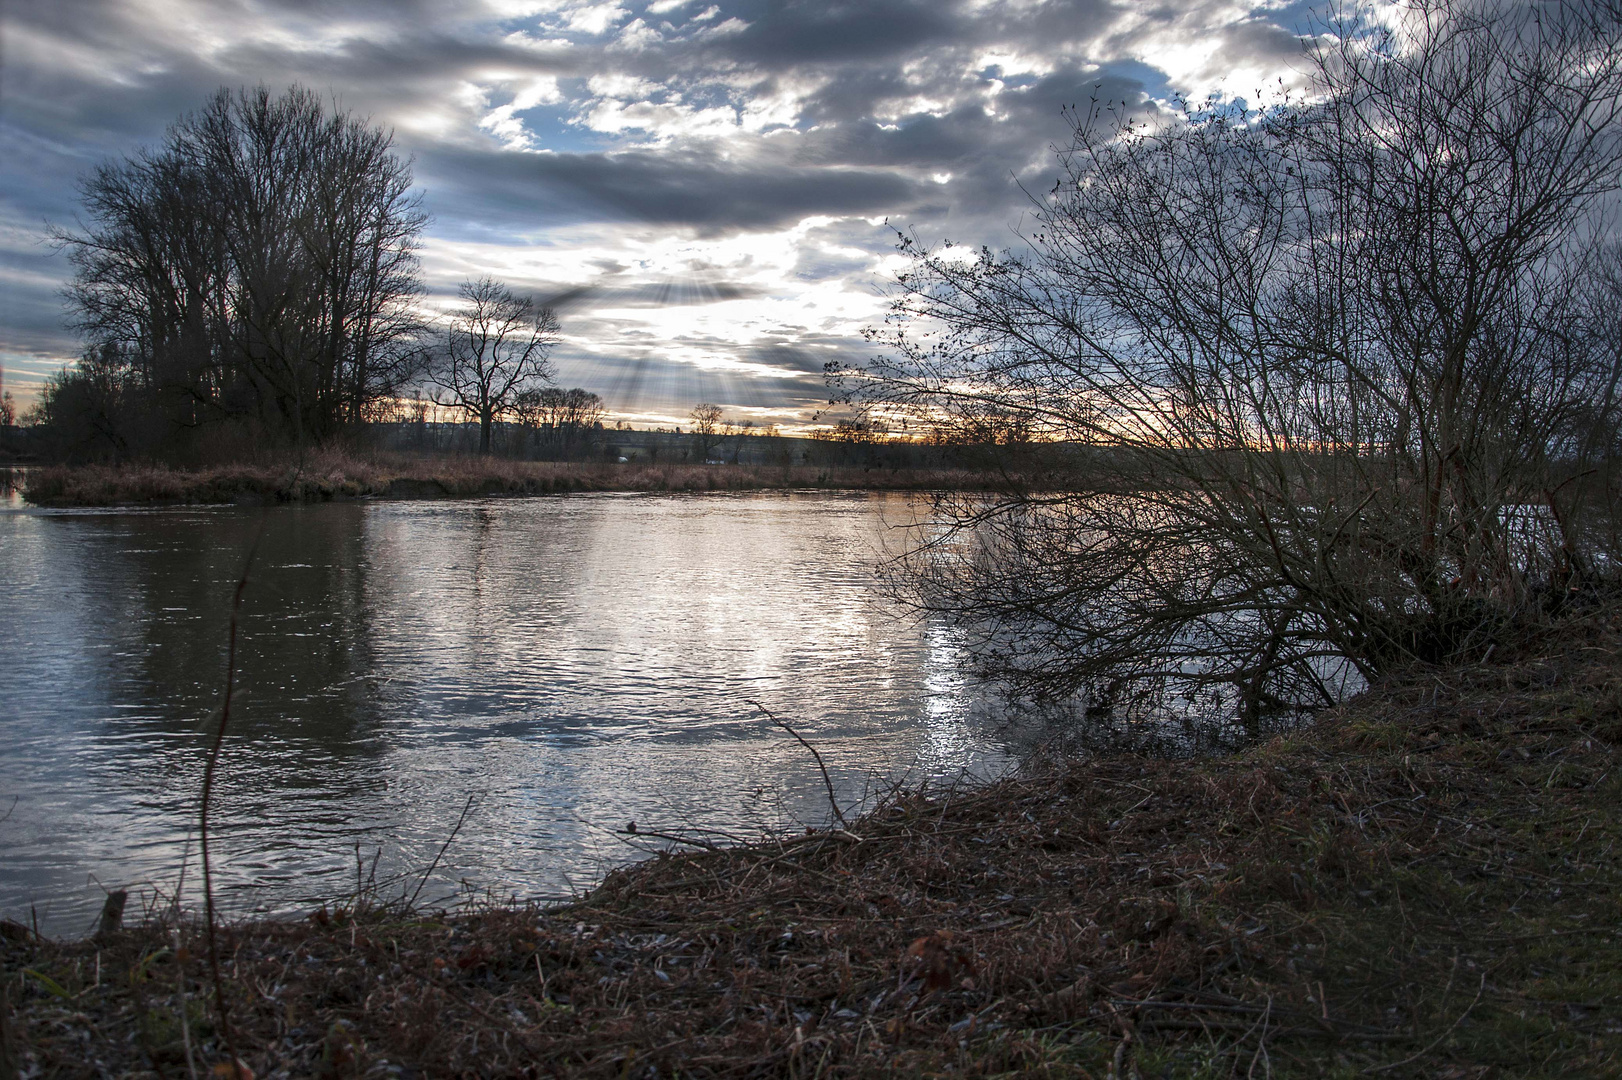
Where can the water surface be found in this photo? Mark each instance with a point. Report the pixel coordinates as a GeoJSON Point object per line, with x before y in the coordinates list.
{"type": "Point", "coordinates": [571, 663]}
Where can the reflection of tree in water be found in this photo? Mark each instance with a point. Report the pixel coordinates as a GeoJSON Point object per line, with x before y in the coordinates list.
{"type": "Point", "coordinates": [483, 527]}
{"type": "Point", "coordinates": [304, 704]}
{"type": "Point", "coordinates": [1153, 720]}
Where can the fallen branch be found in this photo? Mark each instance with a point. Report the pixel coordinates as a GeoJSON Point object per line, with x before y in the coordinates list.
{"type": "Point", "coordinates": [827, 781]}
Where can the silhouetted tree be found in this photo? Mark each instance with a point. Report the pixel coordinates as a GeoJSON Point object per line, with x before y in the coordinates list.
{"type": "Point", "coordinates": [260, 262]}
{"type": "Point", "coordinates": [1338, 345]}
{"type": "Point", "coordinates": [496, 347]}
{"type": "Point", "coordinates": [734, 432]}
{"type": "Point", "coordinates": [8, 407]}
{"type": "Point", "coordinates": [98, 410]}
{"type": "Point", "coordinates": [706, 419]}
{"type": "Point", "coordinates": [562, 420]}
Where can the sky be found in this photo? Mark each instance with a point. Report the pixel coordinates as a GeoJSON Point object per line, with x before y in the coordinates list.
{"type": "Point", "coordinates": [707, 192]}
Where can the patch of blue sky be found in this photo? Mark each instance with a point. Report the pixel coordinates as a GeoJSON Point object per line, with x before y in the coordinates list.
{"type": "Point", "coordinates": [560, 128]}
{"type": "Point", "coordinates": [1155, 82]}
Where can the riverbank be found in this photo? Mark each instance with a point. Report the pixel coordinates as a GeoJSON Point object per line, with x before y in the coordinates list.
{"type": "Point", "coordinates": [332, 475]}
{"type": "Point", "coordinates": [1424, 883]}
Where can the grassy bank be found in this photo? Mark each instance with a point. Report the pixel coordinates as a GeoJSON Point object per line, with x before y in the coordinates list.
{"type": "Point", "coordinates": [1424, 884]}
{"type": "Point", "coordinates": [335, 475]}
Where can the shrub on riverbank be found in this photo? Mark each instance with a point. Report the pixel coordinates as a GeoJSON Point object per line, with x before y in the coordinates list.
{"type": "Point", "coordinates": [1423, 885]}
{"type": "Point", "coordinates": [336, 475]}
{"type": "Point", "coordinates": [1371, 401]}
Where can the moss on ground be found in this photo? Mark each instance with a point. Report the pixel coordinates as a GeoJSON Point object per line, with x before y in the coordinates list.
{"type": "Point", "coordinates": [1424, 883]}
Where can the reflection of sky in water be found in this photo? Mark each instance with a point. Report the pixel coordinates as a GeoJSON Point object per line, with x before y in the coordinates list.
{"type": "Point", "coordinates": [572, 663]}
{"type": "Point", "coordinates": [948, 706]}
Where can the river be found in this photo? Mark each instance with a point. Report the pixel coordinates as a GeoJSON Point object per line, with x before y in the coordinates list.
{"type": "Point", "coordinates": [570, 664]}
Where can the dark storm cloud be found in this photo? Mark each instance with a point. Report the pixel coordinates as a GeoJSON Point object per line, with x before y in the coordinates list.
{"type": "Point", "coordinates": [663, 188]}
{"type": "Point", "coordinates": [383, 69]}
{"type": "Point", "coordinates": [34, 308]}
{"type": "Point", "coordinates": [797, 358]}
{"type": "Point", "coordinates": [365, 76]}
{"type": "Point", "coordinates": [878, 52]}
{"type": "Point", "coordinates": [1266, 42]}
{"type": "Point", "coordinates": [125, 80]}
{"type": "Point", "coordinates": [660, 294]}
{"type": "Point", "coordinates": [968, 133]}
{"type": "Point", "coordinates": [648, 383]}
{"type": "Point", "coordinates": [680, 293]}
{"type": "Point", "coordinates": [818, 31]}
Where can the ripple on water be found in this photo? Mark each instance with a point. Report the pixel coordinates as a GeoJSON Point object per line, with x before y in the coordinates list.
{"type": "Point", "coordinates": [571, 663]}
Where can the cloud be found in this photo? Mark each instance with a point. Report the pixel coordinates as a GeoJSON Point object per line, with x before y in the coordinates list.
{"type": "Point", "coordinates": [601, 150]}
{"type": "Point", "coordinates": [697, 189]}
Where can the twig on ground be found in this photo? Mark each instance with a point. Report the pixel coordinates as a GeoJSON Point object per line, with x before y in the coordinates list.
{"type": "Point", "coordinates": [185, 1022]}
{"type": "Point", "coordinates": [1434, 1043]}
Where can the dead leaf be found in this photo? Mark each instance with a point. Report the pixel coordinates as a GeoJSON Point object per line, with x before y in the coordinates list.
{"type": "Point", "coordinates": [1131, 987]}
{"type": "Point", "coordinates": [940, 961]}
{"type": "Point", "coordinates": [473, 957]}
{"type": "Point", "coordinates": [1070, 1001]}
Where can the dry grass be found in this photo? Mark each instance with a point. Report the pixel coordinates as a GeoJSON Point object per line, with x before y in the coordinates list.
{"type": "Point", "coordinates": [1424, 884]}
{"type": "Point", "coordinates": [337, 475]}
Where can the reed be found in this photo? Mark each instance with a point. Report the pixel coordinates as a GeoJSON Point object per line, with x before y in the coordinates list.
{"type": "Point", "coordinates": [336, 474]}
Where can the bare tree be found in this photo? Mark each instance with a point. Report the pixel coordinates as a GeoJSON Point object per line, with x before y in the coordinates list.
{"type": "Point", "coordinates": [561, 420]}
{"type": "Point", "coordinates": [261, 262]}
{"type": "Point", "coordinates": [1333, 346]}
{"type": "Point", "coordinates": [92, 411]}
{"type": "Point", "coordinates": [736, 431]}
{"type": "Point", "coordinates": [8, 407]}
{"type": "Point", "coordinates": [496, 346]}
{"type": "Point", "coordinates": [706, 427]}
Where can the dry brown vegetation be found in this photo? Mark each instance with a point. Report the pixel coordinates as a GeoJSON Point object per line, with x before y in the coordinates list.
{"type": "Point", "coordinates": [1423, 884]}
{"type": "Point", "coordinates": [336, 475]}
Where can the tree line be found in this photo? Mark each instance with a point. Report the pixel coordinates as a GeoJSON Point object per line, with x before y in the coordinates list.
{"type": "Point", "coordinates": [255, 280]}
